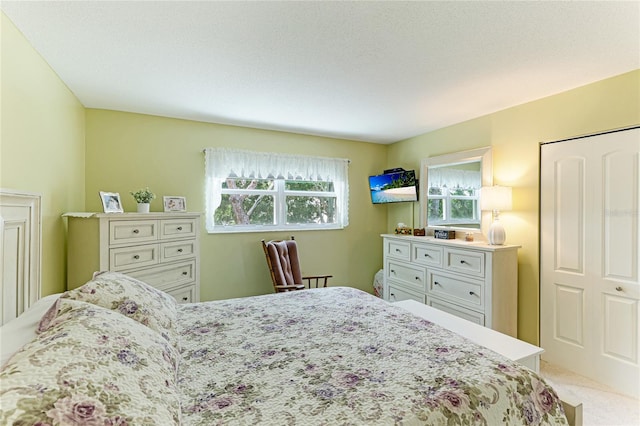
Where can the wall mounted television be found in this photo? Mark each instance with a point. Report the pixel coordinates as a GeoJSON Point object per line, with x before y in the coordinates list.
{"type": "Point", "coordinates": [395, 186]}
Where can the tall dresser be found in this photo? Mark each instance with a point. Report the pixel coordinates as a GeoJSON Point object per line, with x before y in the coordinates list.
{"type": "Point", "coordinates": [472, 280]}
{"type": "Point", "coordinates": [161, 249]}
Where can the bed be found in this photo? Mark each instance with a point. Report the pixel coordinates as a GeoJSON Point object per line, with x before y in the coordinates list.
{"type": "Point", "coordinates": [119, 352]}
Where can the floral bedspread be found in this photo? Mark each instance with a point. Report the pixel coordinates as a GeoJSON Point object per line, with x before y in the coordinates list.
{"type": "Point", "coordinates": [340, 356]}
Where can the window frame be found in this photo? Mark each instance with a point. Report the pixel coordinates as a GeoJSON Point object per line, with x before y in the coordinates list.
{"type": "Point", "coordinates": [223, 163]}
{"type": "Point", "coordinates": [446, 207]}
{"type": "Point", "coordinates": [280, 194]}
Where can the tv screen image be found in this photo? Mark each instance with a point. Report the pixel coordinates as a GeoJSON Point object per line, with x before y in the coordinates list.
{"type": "Point", "coordinates": [394, 187]}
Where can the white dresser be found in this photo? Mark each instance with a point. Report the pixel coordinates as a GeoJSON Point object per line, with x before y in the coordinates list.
{"type": "Point", "coordinates": [161, 249]}
{"type": "Point", "coordinates": [472, 280]}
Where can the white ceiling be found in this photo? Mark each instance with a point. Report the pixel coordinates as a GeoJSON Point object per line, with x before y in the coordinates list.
{"type": "Point", "coordinates": [371, 71]}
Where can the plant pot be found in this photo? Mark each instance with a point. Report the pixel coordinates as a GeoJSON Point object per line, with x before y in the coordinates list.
{"type": "Point", "coordinates": [143, 207]}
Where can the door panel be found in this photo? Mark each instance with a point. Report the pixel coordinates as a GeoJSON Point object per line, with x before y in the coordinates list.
{"type": "Point", "coordinates": [569, 311]}
{"type": "Point", "coordinates": [620, 328]}
{"type": "Point", "coordinates": [569, 215]}
{"type": "Point", "coordinates": [620, 179]}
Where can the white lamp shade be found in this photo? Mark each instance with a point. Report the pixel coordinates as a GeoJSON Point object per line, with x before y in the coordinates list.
{"type": "Point", "coordinates": [495, 198]}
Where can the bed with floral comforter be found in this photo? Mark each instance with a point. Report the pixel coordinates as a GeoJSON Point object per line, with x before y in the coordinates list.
{"type": "Point", "coordinates": [118, 352]}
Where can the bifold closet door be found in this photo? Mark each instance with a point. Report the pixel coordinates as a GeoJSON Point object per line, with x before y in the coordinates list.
{"type": "Point", "coordinates": [589, 256]}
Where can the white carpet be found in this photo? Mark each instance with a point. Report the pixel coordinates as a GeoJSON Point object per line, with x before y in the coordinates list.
{"type": "Point", "coordinates": [602, 406]}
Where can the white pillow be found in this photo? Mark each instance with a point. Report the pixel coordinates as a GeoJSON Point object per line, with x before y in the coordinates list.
{"type": "Point", "coordinates": [20, 331]}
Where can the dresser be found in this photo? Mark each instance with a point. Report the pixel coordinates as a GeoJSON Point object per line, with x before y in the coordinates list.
{"type": "Point", "coordinates": [161, 249]}
{"type": "Point", "coordinates": [471, 280]}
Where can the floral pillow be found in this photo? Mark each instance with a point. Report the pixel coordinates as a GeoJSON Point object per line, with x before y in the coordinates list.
{"type": "Point", "coordinates": [91, 366]}
{"type": "Point", "coordinates": [132, 298]}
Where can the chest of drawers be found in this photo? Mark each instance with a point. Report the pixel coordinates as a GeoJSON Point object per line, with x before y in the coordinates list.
{"type": "Point", "coordinates": [161, 249]}
{"type": "Point", "coordinates": [474, 281]}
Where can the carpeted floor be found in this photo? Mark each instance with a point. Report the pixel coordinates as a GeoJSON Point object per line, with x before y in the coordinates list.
{"type": "Point", "coordinates": [602, 406]}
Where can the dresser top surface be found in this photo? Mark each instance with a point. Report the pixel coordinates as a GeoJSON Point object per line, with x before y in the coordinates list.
{"type": "Point", "coordinates": [458, 243]}
{"type": "Point", "coordinates": [137, 216]}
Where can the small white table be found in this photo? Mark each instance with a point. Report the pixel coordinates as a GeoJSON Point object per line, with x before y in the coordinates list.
{"type": "Point", "coordinates": [510, 347]}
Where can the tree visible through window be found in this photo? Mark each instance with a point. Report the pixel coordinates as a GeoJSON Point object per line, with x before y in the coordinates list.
{"type": "Point", "coordinates": [275, 202]}
{"type": "Point", "coordinates": [313, 195]}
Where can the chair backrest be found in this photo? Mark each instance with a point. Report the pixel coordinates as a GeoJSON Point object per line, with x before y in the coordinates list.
{"type": "Point", "coordinates": [282, 259]}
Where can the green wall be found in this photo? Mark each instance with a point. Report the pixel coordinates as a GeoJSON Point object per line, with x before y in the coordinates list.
{"type": "Point", "coordinates": [41, 143]}
{"type": "Point", "coordinates": [515, 135]}
{"type": "Point", "coordinates": [51, 145]}
{"type": "Point", "coordinates": [127, 151]}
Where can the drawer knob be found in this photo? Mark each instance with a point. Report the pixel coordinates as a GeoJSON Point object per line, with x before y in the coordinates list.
{"type": "Point", "coordinates": [185, 298]}
{"type": "Point", "coordinates": [418, 278]}
{"type": "Point", "coordinates": [179, 228]}
{"type": "Point", "coordinates": [185, 273]}
{"type": "Point", "coordinates": [393, 271]}
{"type": "Point", "coordinates": [464, 261]}
{"type": "Point", "coordinates": [618, 288]}
{"type": "Point", "coordinates": [136, 257]}
{"type": "Point", "coordinates": [472, 293]}
{"type": "Point", "coordinates": [136, 231]}
{"type": "Point", "coordinates": [436, 283]}
{"type": "Point", "coordinates": [179, 250]}
{"type": "Point", "coordinates": [427, 255]}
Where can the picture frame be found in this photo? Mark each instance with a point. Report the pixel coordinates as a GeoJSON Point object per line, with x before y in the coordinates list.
{"type": "Point", "coordinates": [174, 204]}
{"type": "Point", "coordinates": [111, 202]}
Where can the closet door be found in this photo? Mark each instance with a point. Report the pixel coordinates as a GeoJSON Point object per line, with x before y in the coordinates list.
{"type": "Point", "coordinates": [589, 255]}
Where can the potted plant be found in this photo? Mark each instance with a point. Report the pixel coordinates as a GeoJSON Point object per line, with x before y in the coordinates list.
{"type": "Point", "coordinates": [143, 197]}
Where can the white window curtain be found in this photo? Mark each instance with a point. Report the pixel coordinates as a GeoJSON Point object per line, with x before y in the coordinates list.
{"type": "Point", "coordinates": [221, 163]}
{"type": "Point", "coordinates": [454, 178]}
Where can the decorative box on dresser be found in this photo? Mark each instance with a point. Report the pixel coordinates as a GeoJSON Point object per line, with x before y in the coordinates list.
{"type": "Point", "coordinates": [472, 280]}
{"type": "Point", "coordinates": [161, 249]}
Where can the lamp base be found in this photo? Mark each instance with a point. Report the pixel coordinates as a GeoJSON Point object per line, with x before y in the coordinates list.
{"type": "Point", "coordinates": [496, 234]}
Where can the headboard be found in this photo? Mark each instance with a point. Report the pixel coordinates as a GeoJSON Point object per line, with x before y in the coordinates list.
{"type": "Point", "coordinates": [20, 251]}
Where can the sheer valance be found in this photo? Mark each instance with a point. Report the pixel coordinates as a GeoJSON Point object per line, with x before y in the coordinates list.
{"type": "Point", "coordinates": [223, 163]}
{"type": "Point", "coordinates": [454, 178]}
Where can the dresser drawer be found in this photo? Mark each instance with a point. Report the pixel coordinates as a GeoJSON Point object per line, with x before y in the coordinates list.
{"type": "Point", "coordinates": [426, 255]}
{"type": "Point", "coordinates": [177, 250]}
{"type": "Point", "coordinates": [167, 276]}
{"type": "Point", "coordinates": [398, 249]}
{"type": "Point", "coordinates": [177, 228]}
{"type": "Point", "coordinates": [397, 294]}
{"type": "Point", "coordinates": [468, 292]}
{"type": "Point", "coordinates": [132, 231]}
{"type": "Point", "coordinates": [185, 294]}
{"type": "Point", "coordinates": [411, 276]}
{"type": "Point", "coordinates": [133, 257]}
{"type": "Point", "coordinates": [456, 310]}
{"type": "Point", "coordinates": [466, 262]}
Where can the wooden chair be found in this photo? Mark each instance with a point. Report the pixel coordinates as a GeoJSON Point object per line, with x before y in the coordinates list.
{"type": "Point", "coordinates": [284, 267]}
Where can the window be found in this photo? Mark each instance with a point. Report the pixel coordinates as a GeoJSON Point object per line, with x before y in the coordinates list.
{"type": "Point", "coordinates": [453, 206]}
{"type": "Point", "coordinates": [255, 191]}
{"type": "Point", "coordinates": [453, 197]}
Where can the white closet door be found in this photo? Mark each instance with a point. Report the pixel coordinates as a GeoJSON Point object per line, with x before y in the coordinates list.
{"type": "Point", "coordinates": [590, 245]}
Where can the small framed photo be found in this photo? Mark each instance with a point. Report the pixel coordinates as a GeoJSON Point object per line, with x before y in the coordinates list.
{"type": "Point", "coordinates": [111, 202]}
{"type": "Point", "coordinates": [174, 204]}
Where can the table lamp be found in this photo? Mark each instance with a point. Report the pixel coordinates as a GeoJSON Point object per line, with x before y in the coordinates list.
{"type": "Point", "coordinates": [496, 198]}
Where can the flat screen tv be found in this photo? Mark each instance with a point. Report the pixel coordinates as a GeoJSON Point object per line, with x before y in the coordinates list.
{"type": "Point", "coordinates": [395, 187]}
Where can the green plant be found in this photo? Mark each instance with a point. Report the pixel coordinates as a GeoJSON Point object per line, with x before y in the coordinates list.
{"type": "Point", "coordinates": [143, 195]}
